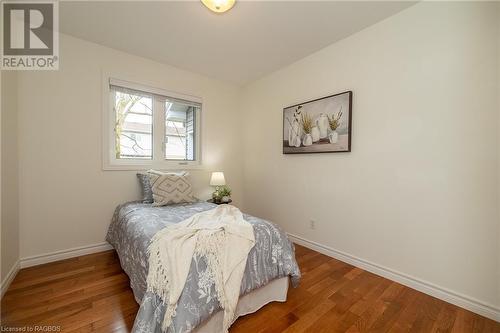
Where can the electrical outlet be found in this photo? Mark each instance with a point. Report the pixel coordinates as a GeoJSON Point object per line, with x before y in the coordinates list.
{"type": "Point", "coordinates": [312, 224]}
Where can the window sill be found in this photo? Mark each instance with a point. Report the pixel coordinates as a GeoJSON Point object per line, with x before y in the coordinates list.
{"type": "Point", "coordinates": [168, 166]}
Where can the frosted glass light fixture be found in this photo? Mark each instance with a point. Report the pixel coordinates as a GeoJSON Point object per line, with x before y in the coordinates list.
{"type": "Point", "coordinates": [219, 6]}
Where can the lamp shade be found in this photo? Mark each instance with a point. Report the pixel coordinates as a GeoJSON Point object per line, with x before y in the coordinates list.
{"type": "Point", "coordinates": [217, 179]}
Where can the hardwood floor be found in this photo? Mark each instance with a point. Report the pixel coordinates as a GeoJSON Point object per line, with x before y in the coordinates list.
{"type": "Point", "coordinates": [91, 294]}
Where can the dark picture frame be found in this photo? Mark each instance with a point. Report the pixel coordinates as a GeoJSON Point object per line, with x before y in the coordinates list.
{"type": "Point", "coordinates": [322, 125]}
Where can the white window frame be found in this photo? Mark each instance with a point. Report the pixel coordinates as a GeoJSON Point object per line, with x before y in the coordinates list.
{"type": "Point", "coordinates": [110, 162]}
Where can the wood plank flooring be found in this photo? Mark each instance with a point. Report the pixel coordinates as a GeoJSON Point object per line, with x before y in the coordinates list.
{"type": "Point", "coordinates": [92, 294]}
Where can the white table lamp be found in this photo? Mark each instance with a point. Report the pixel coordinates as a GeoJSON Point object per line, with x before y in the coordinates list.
{"type": "Point", "coordinates": [217, 179]}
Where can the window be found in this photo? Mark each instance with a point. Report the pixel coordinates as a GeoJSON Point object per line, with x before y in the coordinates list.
{"type": "Point", "coordinates": [180, 122]}
{"type": "Point", "coordinates": [150, 128]}
{"type": "Point", "coordinates": [133, 126]}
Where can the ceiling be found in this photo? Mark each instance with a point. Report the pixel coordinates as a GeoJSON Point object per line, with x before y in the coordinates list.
{"type": "Point", "coordinates": [251, 40]}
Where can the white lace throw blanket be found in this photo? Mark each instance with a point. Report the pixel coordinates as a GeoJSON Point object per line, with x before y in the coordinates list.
{"type": "Point", "coordinates": [222, 236]}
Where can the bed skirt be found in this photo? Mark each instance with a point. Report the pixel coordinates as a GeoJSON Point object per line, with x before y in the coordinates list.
{"type": "Point", "coordinates": [274, 291]}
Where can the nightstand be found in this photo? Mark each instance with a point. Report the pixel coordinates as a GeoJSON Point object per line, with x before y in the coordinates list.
{"type": "Point", "coordinates": [219, 203]}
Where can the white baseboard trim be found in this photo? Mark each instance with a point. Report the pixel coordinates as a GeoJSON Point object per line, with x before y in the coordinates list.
{"type": "Point", "coordinates": [463, 301]}
{"type": "Point", "coordinates": [9, 277]}
{"type": "Point", "coordinates": [64, 254]}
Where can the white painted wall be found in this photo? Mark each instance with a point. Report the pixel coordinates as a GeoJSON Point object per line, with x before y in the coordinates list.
{"type": "Point", "coordinates": [498, 138]}
{"type": "Point", "coordinates": [66, 199]}
{"type": "Point", "coordinates": [9, 174]}
{"type": "Point", "coordinates": [418, 193]}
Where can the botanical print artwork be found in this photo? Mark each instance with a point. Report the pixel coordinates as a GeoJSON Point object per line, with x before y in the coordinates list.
{"type": "Point", "coordinates": [319, 126]}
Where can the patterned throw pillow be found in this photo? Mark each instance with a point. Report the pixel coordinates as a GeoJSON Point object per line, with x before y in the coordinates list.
{"type": "Point", "coordinates": [147, 192]}
{"type": "Point", "coordinates": [170, 188]}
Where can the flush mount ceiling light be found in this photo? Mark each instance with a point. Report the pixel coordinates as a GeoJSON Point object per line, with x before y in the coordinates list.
{"type": "Point", "coordinates": [219, 6]}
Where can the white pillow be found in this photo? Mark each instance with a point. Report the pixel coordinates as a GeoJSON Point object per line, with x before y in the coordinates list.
{"type": "Point", "coordinates": [170, 188]}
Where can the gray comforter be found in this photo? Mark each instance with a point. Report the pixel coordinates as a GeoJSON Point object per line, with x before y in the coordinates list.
{"type": "Point", "coordinates": [130, 232]}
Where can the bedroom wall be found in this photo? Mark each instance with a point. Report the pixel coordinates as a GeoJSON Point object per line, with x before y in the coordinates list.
{"type": "Point", "coordinates": [498, 138]}
{"type": "Point", "coordinates": [9, 175]}
{"type": "Point", "coordinates": [66, 199]}
{"type": "Point", "coordinates": [418, 194]}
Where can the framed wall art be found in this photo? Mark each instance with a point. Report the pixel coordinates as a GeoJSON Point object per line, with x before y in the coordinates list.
{"type": "Point", "coordinates": [322, 125]}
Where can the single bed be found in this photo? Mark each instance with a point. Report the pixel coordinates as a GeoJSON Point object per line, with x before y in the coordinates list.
{"type": "Point", "coordinates": [270, 265]}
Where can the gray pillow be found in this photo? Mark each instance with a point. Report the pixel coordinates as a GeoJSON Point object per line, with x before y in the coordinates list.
{"type": "Point", "coordinates": [147, 192]}
{"type": "Point", "coordinates": [170, 188]}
